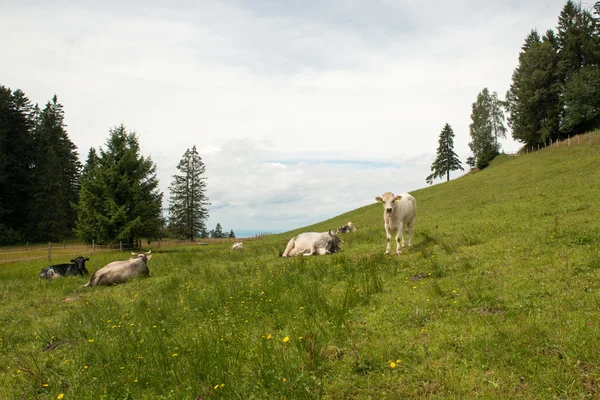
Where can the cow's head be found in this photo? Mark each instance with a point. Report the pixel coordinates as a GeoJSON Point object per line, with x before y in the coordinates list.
{"type": "Point", "coordinates": [144, 256]}
{"type": "Point", "coordinates": [79, 263]}
{"type": "Point", "coordinates": [388, 199]}
{"type": "Point", "coordinates": [333, 243]}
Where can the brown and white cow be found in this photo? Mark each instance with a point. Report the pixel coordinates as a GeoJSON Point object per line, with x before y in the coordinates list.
{"type": "Point", "coordinates": [397, 211]}
{"type": "Point", "coordinates": [121, 271]}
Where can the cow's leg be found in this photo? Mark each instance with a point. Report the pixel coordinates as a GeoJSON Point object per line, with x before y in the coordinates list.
{"type": "Point", "coordinates": [311, 251]}
{"type": "Point", "coordinates": [410, 231]}
{"type": "Point", "coordinates": [401, 232]}
{"type": "Point", "coordinates": [398, 236]}
{"type": "Point", "coordinates": [289, 247]}
{"type": "Point", "coordinates": [389, 239]}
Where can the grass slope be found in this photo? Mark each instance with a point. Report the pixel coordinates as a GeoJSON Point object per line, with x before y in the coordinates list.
{"type": "Point", "coordinates": [498, 298]}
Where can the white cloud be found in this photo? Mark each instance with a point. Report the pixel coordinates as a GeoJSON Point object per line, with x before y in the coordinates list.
{"type": "Point", "coordinates": [267, 89]}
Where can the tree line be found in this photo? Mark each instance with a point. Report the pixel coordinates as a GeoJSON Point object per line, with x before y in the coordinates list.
{"type": "Point", "coordinates": [46, 194]}
{"type": "Point", "coordinates": [554, 94]}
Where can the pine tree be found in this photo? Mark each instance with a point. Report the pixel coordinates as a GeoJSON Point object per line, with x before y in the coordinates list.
{"type": "Point", "coordinates": [188, 202]}
{"type": "Point", "coordinates": [231, 234]}
{"type": "Point", "coordinates": [56, 173]}
{"type": "Point", "coordinates": [534, 99]}
{"type": "Point", "coordinates": [217, 232]}
{"type": "Point", "coordinates": [446, 160]}
{"type": "Point", "coordinates": [17, 117]}
{"type": "Point", "coordinates": [120, 196]}
{"type": "Point", "coordinates": [582, 97]}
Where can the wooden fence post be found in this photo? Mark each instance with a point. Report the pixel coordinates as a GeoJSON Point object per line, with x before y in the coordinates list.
{"type": "Point", "coordinates": [120, 245]}
{"type": "Point", "coordinates": [49, 251]}
{"type": "Point", "coordinates": [93, 246]}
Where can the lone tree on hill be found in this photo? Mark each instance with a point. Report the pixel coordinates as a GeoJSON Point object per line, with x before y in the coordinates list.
{"type": "Point", "coordinates": [446, 160]}
{"type": "Point", "coordinates": [188, 202]}
{"type": "Point", "coordinates": [120, 200]}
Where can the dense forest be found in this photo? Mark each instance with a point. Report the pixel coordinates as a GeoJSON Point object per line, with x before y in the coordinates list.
{"type": "Point", "coordinates": [46, 194]}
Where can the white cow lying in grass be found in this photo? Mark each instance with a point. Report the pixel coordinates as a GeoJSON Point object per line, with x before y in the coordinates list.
{"type": "Point", "coordinates": [237, 246]}
{"type": "Point", "coordinates": [397, 211]}
{"type": "Point", "coordinates": [310, 243]}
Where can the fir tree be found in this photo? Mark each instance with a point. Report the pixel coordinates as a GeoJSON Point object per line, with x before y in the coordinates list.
{"type": "Point", "coordinates": [446, 160]}
{"type": "Point", "coordinates": [120, 196]}
{"type": "Point", "coordinates": [55, 180]}
{"type": "Point", "coordinates": [188, 202]}
{"type": "Point", "coordinates": [217, 232]}
{"type": "Point", "coordinates": [231, 234]}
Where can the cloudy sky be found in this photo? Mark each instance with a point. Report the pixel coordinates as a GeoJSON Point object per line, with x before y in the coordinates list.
{"type": "Point", "coordinates": [301, 110]}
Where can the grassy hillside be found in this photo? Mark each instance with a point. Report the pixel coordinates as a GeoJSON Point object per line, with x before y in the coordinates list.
{"type": "Point", "coordinates": [499, 297]}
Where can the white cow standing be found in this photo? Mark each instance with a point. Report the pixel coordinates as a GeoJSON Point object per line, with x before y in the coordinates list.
{"type": "Point", "coordinates": [397, 211]}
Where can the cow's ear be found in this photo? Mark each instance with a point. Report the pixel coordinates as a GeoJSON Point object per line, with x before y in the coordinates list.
{"type": "Point", "coordinates": [398, 197]}
{"type": "Point", "coordinates": [73, 261]}
{"type": "Point", "coordinates": [86, 259]}
{"type": "Point", "coordinates": [330, 233]}
{"type": "Point", "coordinates": [379, 199]}
{"type": "Point", "coordinates": [149, 256]}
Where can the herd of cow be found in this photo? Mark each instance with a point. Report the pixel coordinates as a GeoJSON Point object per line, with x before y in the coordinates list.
{"type": "Point", "coordinates": [398, 211]}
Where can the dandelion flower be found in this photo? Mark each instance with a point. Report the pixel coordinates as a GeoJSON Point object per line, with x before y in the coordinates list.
{"type": "Point", "coordinates": [398, 361]}
{"type": "Point", "coordinates": [222, 384]}
{"type": "Point", "coordinates": [90, 340]}
{"type": "Point", "coordinates": [216, 387]}
{"type": "Point", "coordinates": [175, 354]}
{"type": "Point", "coordinates": [135, 380]}
{"type": "Point", "coordinates": [44, 384]}
{"type": "Point", "coordinates": [269, 336]}
{"type": "Point", "coordinates": [286, 339]}
{"type": "Point", "coordinates": [18, 371]}
{"type": "Point", "coordinates": [85, 367]}
{"type": "Point", "coordinates": [283, 380]}
{"type": "Point", "coordinates": [392, 365]}
{"type": "Point", "coordinates": [60, 396]}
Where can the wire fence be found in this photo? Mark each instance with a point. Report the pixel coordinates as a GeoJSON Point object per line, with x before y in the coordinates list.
{"type": "Point", "coordinates": [56, 250]}
{"type": "Point", "coordinates": [585, 139]}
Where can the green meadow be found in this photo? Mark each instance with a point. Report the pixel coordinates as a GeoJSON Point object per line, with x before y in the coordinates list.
{"type": "Point", "coordinates": [498, 298]}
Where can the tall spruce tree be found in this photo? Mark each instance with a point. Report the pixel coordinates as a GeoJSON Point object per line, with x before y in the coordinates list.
{"type": "Point", "coordinates": [188, 202]}
{"type": "Point", "coordinates": [17, 122]}
{"type": "Point", "coordinates": [120, 197]}
{"type": "Point", "coordinates": [446, 160]}
{"type": "Point", "coordinates": [55, 178]}
{"type": "Point", "coordinates": [534, 102]}
{"type": "Point", "coordinates": [217, 232]}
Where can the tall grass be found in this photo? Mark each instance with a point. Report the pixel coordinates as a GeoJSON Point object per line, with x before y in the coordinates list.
{"type": "Point", "coordinates": [497, 298]}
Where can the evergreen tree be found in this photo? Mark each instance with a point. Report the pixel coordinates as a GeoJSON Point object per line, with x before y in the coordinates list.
{"type": "Point", "coordinates": [484, 119]}
{"type": "Point", "coordinates": [446, 160]}
{"type": "Point", "coordinates": [188, 201]}
{"type": "Point", "coordinates": [217, 232]}
{"type": "Point", "coordinates": [55, 181]}
{"type": "Point", "coordinates": [582, 97]}
{"type": "Point", "coordinates": [534, 100]}
{"type": "Point", "coordinates": [231, 234]}
{"type": "Point", "coordinates": [17, 117]}
{"type": "Point", "coordinates": [120, 196]}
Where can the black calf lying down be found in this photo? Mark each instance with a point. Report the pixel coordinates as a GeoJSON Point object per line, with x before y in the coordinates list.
{"type": "Point", "coordinates": [346, 228]}
{"type": "Point", "coordinates": [77, 267]}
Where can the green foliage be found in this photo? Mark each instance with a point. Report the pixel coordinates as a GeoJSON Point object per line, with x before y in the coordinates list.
{"type": "Point", "coordinates": [188, 202]}
{"type": "Point", "coordinates": [120, 200]}
{"type": "Point", "coordinates": [446, 160]}
{"type": "Point", "coordinates": [231, 234]}
{"type": "Point", "coordinates": [486, 127]}
{"type": "Point", "coordinates": [582, 99]}
{"type": "Point", "coordinates": [55, 180]}
{"type": "Point", "coordinates": [533, 100]}
{"type": "Point", "coordinates": [217, 232]}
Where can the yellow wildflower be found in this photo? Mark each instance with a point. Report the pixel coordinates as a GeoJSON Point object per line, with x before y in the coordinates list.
{"type": "Point", "coordinates": [175, 354]}
{"type": "Point", "coordinates": [286, 339]}
{"type": "Point", "coordinates": [90, 340]}
{"type": "Point", "coordinates": [44, 384]}
{"type": "Point", "coordinates": [269, 336]}
{"type": "Point", "coordinates": [392, 365]}
{"type": "Point", "coordinates": [60, 396]}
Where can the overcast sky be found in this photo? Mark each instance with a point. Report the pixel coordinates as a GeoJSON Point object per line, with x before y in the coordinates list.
{"type": "Point", "coordinates": [301, 110]}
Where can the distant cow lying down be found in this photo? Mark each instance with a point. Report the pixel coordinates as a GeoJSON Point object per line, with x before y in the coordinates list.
{"type": "Point", "coordinates": [237, 246]}
{"type": "Point", "coordinates": [346, 228]}
{"type": "Point", "coordinates": [121, 271]}
{"type": "Point", "coordinates": [310, 243]}
{"type": "Point", "coordinates": [77, 267]}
